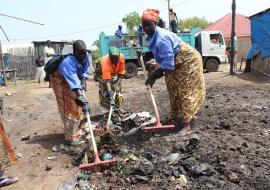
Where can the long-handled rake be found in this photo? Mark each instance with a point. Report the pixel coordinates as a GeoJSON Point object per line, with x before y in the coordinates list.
{"type": "Point", "coordinates": [158, 126]}
{"type": "Point", "coordinates": [110, 114]}
{"type": "Point", "coordinates": [98, 163]}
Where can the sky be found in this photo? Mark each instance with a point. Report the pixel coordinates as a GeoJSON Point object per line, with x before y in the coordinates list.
{"type": "Point", "coordinates": [85, 19]}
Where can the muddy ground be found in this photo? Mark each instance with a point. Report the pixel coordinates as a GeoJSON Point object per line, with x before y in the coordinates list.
{"type": "Point", "coordinates": [233, 127]}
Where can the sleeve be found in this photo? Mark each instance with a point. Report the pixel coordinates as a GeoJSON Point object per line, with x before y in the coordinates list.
{"type": "Point", "coordinates": [69, 71]}
{"type": "Point", "coordinates": [85, 68]}
{"type": "Point", "coordinates": [165, 55]}
{"type": "Point", "coordinates": [46, 50]}
{"type": "Point", "coordinates": [122, 69]}
{"type": "Point", "coordinates": [106, 73]}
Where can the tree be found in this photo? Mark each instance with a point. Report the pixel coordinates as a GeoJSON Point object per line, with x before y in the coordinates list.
{"type": "Point", "coordinates": [95, 55]}
{"type": "Point", "coordinates": [189, 23]}
{"type": "Point", "coordinates": [132, 20]}
{"type": "Point", "coordinates": [96, 51]}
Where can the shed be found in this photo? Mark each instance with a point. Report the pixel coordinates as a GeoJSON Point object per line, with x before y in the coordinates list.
{"type": "Point", "coordinates": [259, 52]}
{"type": "Point", "coordinates": [57, 46]}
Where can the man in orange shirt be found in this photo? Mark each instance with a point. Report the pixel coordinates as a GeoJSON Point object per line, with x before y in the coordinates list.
{"type": "Point", "coordinates": [112, 68]}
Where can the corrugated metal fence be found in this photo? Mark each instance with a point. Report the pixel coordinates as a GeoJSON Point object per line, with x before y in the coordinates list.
{"type": "Point", "coordinates": [23, 60]}
{"type": "Point", "coordinates": [261, 65]}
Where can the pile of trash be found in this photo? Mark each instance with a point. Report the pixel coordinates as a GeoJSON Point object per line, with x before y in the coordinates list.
{"type": "Point", "coordinates": [126, 123]}
{"type": "Point", "coordinates": [123, 124]}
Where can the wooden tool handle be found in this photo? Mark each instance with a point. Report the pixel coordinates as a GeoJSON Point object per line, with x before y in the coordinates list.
{"type": "Point", "coordinates": [90, 128]}
{"type": "Point", "coordinates": [149, 87]}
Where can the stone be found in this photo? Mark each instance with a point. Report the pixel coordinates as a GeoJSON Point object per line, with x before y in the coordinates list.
{"type": "Point", "coordinates": [55, 149]}
{"type": "Point", "coordinates": [223, 164]}
{"type": "Point", "coordinates": [48, 167]}
{"type": "Point", "coordinates": [25, 137]}
{"type": "Point", "coordinates": [172, 159]}
{"type": "Point", "coordinates": [51, 157]}
{"type": "Point", "coordinates": [182, 180]}
{"type": "Point", "coordinates": [19, 155]}
{"type": "Point", "coordinates": [232, 177]}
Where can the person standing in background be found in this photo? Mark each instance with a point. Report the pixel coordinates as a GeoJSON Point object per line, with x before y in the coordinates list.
{"type": "Point", "coordinates": [173, 21]}
{"type": "Point", "coordinates": [140, 34]}
{"type": "Point", "coordinates": [39, 61]}
{"type": "Point", "coordinates": [161, 23]}
{"type": "Point", "coordinates": [235, 49]}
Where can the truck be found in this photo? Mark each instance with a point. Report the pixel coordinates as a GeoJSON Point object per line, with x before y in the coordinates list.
{"type": "Point", "coordinates": [210, 44]}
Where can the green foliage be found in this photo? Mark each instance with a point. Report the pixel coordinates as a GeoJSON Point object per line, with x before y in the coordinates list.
{"type": "Point", "coordinates": [96, 43]}
{"type": "Point", "coordinates": [95, 52]}
{"type": "Point", "coordinates": [189, 23]}
{"type": "Point", "coordinates": [95, 55]}
{"type": "Point", "coordinates": [132, 21]}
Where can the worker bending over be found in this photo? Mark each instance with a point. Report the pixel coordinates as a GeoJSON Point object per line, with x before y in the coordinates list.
{"type": "Point", "coordinates": [112, 70]}
{"type": "Point", "coordinates": [182, 66]}
{"type": "Point", "coordinates": [68, 82]}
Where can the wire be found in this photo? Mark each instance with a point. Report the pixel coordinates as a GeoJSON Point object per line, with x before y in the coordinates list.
{"type": "Point", "coordinates": [21, 19]}
{"type": "Point", "coordinates": [4, 32]}
{"type": "Point", "coordinates": [88, 30]}
{"type": "Point", "coordinates": [181, 3]}
{"type": "Point", "coordinates": [72, 33]}
{"type": "Point", "coordinates": [175, 5]}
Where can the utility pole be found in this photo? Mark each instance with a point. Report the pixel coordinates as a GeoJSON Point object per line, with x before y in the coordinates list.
{"type": "Point", "coordinates": [3, 65]}
{"type": "Point", "coordinates": [232, 64]}
{"type": "Point", "coordinates": [169, 6]}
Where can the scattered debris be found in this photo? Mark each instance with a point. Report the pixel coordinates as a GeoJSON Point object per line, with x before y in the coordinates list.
{"type": "Point", "coordinates": [182, 180]}
{"type": "Point", "coordinates": [8, 93]}
{"type": "Point", "coordinates": [194, 169]}
{"type": "Point", "coordinates": [51, 158]}
{"type": "Point", "coordinates": [232, 177]}
{"type": "Point", "coordinates": [48, 167]}
{"type": "Point", "coordinates": [68, 184]}
{"type": "Point", "coordinates": [19, 155]}
{"type": "Point", "coordinates": [193, 141]}
{"type": "Point", "coordinates": [172, 159]}
{"type": "Point", "coordinates": [84, 185]}
{"type": "Point", "coordinates": [55, 149]}
{"type": "Point", "coordinates": [107, 156]}
{"type": "Point", "coordinates": [131, 157]}
{"type": "Point", "coordinates": [25, 138]}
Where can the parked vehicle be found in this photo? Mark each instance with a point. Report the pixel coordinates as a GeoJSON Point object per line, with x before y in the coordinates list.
{"type": "Point", "coordinates": [210, 44]}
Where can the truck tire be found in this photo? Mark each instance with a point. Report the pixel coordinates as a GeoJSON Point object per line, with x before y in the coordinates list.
{"type": "Point", "coordinates": [212, 65]}
{"type": "Point", "coordinates": [131, 70]}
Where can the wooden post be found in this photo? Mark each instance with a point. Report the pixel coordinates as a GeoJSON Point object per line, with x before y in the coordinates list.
{"type": "Point", "coordinates": [232, 71]}
{"type": "Point", "coordinates": [3, 65]}
{"type": "Point", "coordinates": [169, 6]}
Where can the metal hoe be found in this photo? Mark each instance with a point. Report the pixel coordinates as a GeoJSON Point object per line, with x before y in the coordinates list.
{"type": "Point", "coordinates": [98, 162]}
{"type": "Point", "coordinates": [158, 126]}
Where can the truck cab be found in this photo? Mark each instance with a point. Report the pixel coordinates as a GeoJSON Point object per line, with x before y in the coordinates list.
{"type": "Point", "coordinates": [211, 45]}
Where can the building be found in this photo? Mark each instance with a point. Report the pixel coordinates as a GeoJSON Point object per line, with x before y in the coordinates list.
{"type": "Point", "coordinates": [22, 56]}
{"type": "Point", "coordinates": [260, 37]}
{"type": "Point", "coordinates": [57, 46]}
{"type": "Point", "coordinates": [242, 30]}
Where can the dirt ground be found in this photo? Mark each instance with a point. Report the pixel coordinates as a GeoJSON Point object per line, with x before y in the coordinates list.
{"type": "Point", "coordinates": [233, 127]}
